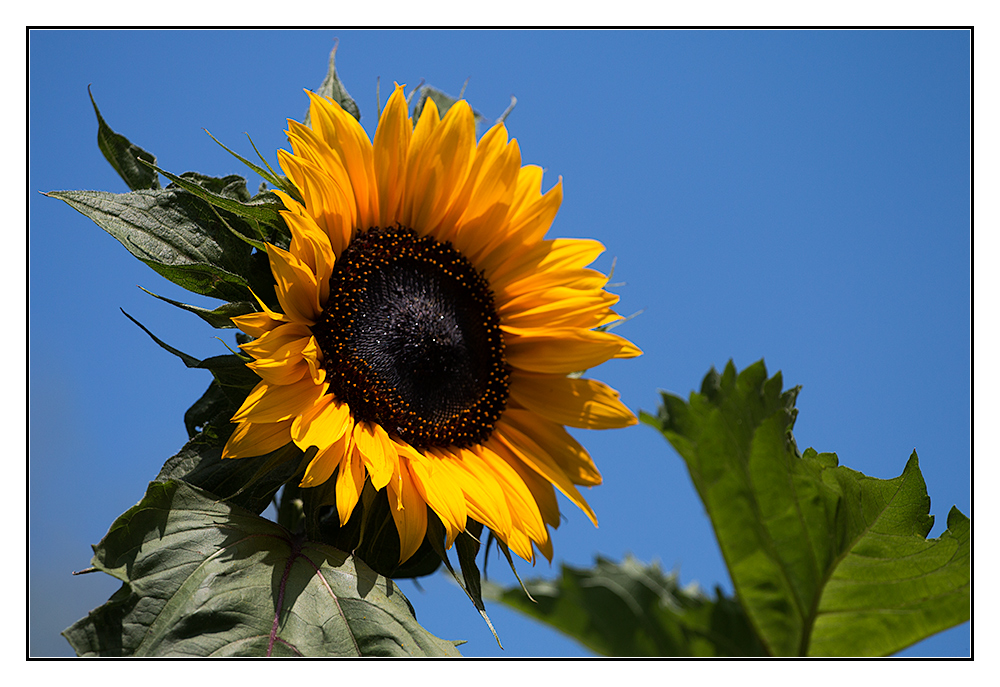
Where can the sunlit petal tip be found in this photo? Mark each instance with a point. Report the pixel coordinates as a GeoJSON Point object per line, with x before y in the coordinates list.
{"type": "Point", "coordinates": [628, 349]}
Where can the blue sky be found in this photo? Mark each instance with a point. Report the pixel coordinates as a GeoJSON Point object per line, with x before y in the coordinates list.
{"type": "Point", "coordinates": [801, 197]}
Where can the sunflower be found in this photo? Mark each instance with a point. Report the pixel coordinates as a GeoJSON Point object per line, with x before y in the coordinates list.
{"type": "Point", "coordinates": [428, 332]}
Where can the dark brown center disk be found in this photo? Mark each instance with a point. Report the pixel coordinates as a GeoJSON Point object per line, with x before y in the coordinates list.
{"type": "Point", "coordinates": [411, 340]}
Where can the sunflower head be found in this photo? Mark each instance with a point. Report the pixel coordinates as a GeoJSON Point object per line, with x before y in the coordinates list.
{"type": "Point", "coordinates": [428, 332]}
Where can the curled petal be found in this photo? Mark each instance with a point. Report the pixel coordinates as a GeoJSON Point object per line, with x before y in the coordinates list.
{"type": "Point", "coordinates": [296, 286]}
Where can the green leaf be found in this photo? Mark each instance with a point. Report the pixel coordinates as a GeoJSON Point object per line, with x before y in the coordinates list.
{"type": "Point", "coordinates": [231, 373]}
{"type": "Point", "coordinates": [249, 483]}
{"type": "Point", "coordinates": [204, 578]}
{"type": "Point", "coordinates": [825, 560]}
{"type": "Point", "coordinates": [260, 213]}
{"type": "Point", "coordinates": [123, 155]}
{"type": "Point", "coordinates": [892, 581]}
{"type": "Point", "coordinates": [220, 318]}
{"type": "Point", "coordinates": [333, 88]}
{"type": "Point", "coordinates": [268, 174]}
{"type": "Point", "coordinates": [176, 234]}
{"type": "Point", "coordinates": [212, 403]}
{"type": "Point", "coordinates": [632, 609]}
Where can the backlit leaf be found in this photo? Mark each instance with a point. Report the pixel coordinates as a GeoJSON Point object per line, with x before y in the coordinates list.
{"type": "Point", "coordinates": [825, 560]}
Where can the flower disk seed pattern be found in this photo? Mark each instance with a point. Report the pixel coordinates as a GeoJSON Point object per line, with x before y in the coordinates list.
{"type": "Point", "coordinates": [411, 340]}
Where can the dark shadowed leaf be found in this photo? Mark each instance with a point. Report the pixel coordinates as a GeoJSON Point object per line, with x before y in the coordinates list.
{"type": "Point", "coordinates": [124, 155]}
{"type": "Point", "coordinates": [467, 546]}
{"type": "Point", "coordinates": [213, 404]}
{"type": "Point", "coordinates": [249, 483]}
{"type": "Point", "coordinates": [632, 609]}
{"type": "Point", "coordinates": [825, 560]}
{"type": "Point", "coordinates": [370, 532]}
{"type": "Point", "coordinates": [204, 578]}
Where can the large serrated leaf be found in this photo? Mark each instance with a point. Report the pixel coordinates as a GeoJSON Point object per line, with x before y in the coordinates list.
{"type": "Point", "coordinates": [632, 609]}
{"type": "Point", "coordinates": [825, 560]}
{"type": "Point", "coordinates": [891, 580]}
{"type": "Point", "coordinates": [176, 234]}
{"type": "Point", "coordinates": [203, 578]}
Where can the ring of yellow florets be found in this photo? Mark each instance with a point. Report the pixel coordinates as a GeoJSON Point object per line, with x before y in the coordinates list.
{"type": "Point", "coordinates": [411, 340]}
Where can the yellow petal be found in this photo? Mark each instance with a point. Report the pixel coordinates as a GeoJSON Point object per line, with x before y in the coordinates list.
{"type": "Point", "coordinates": [479, 212]}
{"type": "Point", "coordinates": [344, 134]}
{"type": "Point", "coordinates": [269, 343]}
{"type": "Point", "coordinates": [295, 285]}
{"type": "Point", "coordinates": [558, 350]}
{"type": "Point", "coordinates": [584, 403]}
{"type": "Point", "coordinates": [420, 174]}
{"type": "Point", "coordinates": [350, 480]}
{"type": "Point", "coordinates": [541, 489]}
{"type": "Point", "coordinates": [483, 496]}
{"type": "Point", "coordinates": [258, 323]}
{"type": "Point", "coordinates": [312, 246]}
{"type": "Point", "coordinates": [552, 255]}
{"type": "Point", "coordinates": [565, 451]}
{"type": "Point", "coordinates": [279, 372]}
{"type": "Point", "coordinates": [528, 188]}
{"type": "Point", "coordinates": [557, 307]}
{"type": "Point", "coordinates": [392, 142]}
{"type": "Point", "coordinates": [274, 403]}
{"type": "Point", "coordinates": [629, 350]}
{"type": "Point", "coordinates": [322, 425]}
{"type": "Point", "coordinates": [540, 282]}
{"type": "Point", "coordinates": [330, 205]}
{"type": "Point", "coordinates": [529, 223]}
{"type": "Point", "coordinates": [437, 488]}
{"type": "Point", "coordinates": [525, 515]}
{"type": "Point", "coordinates": [532, 455]}
{"type": "Point", "coordinates": [326, 460]}
{"type": "Point", "coordinates": [411, 516]}
{"type": "Point", "coordinates": [377, 450]}
{"type": "Point", "coordinates": [254, 439]}
{"type": "Point", "coordinates": [445, 167]}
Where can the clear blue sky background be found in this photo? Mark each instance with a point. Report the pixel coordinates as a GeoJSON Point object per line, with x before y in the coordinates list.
{"type": "Point", "coordinates": [801, 197]}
